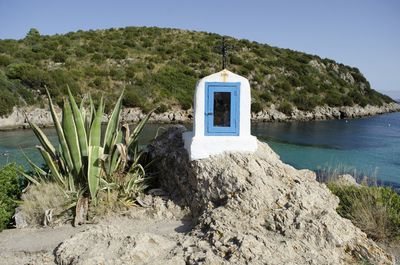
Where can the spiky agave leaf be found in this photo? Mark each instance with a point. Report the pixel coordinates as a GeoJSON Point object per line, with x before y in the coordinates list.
{"type": "Point", "coordinates": [92, 113]}
{"type": "Point", "coordinates": [112, 126]}
{"type": "Point", "coordinates": [94, 169]}
{"type": "Point", "coordinates": [112, 161]}
{"type": "Point", "coordinates": [44, 141]}
{"type": "Point", "coordinates": [57, 177]}
{"type": "Point", "coordinates": [79, 124]}
{"type": "Point", "coordinates": [61, 138]}
{"type": "Point", "coordinates": [32, 179]}
{"type": "Point", "coordinates": [138, 129]}
{"type": "Point", "coordinates": [95, 129]}
{"type": "Point", "coordinates": [34, 167]}
{"type": "Point", "coordinates": [71, 136]}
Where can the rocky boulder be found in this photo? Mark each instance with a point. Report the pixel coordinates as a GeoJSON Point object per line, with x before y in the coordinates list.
{"type": "Point", "coordinates": [251, 208]}
{"type": "Point", "coordinates": [105, 244]}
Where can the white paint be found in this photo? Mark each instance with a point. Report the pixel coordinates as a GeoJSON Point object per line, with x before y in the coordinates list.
{"type": "Point", "coordinates": [200, 146]}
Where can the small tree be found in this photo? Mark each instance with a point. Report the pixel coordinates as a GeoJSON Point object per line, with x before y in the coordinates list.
{"type": "Point", "coordinates": [32, 36]}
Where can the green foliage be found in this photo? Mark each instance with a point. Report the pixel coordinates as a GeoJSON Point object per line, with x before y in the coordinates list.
{"type": "Point", "coordinates": [5, 60]}
{"type": "Point", "coordinates": [161, 108]}
{"type": "Point", "coordinates": [256, 107]}
{"type": "Point", "coordinates": [9, 193]}
{"type": "Point", "coordinates": [28, 74]}
{"type": "Point", "coordinates": [60, 57]}
{"type": "Point", "coordinates": [266, 96]}
{"type": "Point", "coordinates": [164, 65]}
{"type": "Point", "coordinates": [176, 83]}
{"type": "Point", "coordinates": [305, 101]}
{"type": "Point", "coordinates": [7, 101]}
{"type": "Point", "coordinates": [333, 99]}
{"type": "Point", "coordinates": [285, 107]}
{"type": "Point", "coordinates": [375, 210]}
{"type": "Point", "coordinates": [132, 97]}
{"type": "Point", "coordinates": [87, 163]}
{"type": "Point", "coordinates": [33, 36]}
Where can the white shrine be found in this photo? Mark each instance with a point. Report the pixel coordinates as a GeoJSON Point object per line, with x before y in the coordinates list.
{"type": "Point", "coordinates": [221, 116]}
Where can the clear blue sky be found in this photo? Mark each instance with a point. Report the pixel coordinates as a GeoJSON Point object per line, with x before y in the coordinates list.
{"type": "Point", "coordinates": [360, 33]}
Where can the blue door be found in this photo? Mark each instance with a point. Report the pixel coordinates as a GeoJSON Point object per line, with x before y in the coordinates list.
{"type": "Point", "coordinates": [222, 108]}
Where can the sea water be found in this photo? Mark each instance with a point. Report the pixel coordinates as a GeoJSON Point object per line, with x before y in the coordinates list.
{"type": "Point", "coordinates": [366, 147]}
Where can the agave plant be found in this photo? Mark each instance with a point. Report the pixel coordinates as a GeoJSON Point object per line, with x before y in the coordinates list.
{"type": "Point", "coordinates": [86, 162]}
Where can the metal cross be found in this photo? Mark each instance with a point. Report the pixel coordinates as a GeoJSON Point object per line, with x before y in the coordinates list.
{"type": "Point", "coordinates": [224, 51]}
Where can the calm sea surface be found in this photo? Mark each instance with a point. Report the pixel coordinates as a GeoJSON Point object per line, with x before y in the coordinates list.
{"type": "Point", "coordinates": [368, 146]}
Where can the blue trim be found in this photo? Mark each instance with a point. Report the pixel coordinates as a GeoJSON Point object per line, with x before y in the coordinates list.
{"type": "Point", "coordinates": [210, 89]}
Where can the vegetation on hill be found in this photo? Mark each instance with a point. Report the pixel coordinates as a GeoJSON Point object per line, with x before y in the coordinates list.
{"type": "Point", "coordinates": [160, 67]}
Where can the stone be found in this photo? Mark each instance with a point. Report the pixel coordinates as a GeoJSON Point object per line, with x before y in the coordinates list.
{"type": "Point", "coordinates": [19, 218]}
{"type": "Point", "coordinates": [346, 180]}
{"type": "Point", "coordinates": [251, 208]}
{"type": "Point", "coordinates": [106, 244]}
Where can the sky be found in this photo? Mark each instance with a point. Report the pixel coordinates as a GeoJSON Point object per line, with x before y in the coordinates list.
{"type": "Point", "coordinates": [361, 33]}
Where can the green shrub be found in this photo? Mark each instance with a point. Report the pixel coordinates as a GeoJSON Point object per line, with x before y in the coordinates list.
{"type": "Point", "coordinates": [119, 54]}
{"type": "Point", "coordinates": [132, 97]}
{"type": "Point", "coordinates": [358, 98]}
{"type": "Point", "coordinates": [5, 60]}
{"type": "Point", "coordinates": [347, 101]}
{"type": "Point", "coordinates": [29, 75]}
{"type": "Point", "coordinates": [333, 99]}
{"type": "Point", "coordinates": [7, 101]}
{"type": "Point", "coordinates": [98, 58]}
{"type": "Point", "coordinates": [9, 193]}
{"type": "Point", "coordinates": [256, 107]}
{"type": "Point", "coordinates": [305, 102]}
{"type": "Point", "coordinates": [27, 95]}
{"type": "Point", "coordinates": [375, 210]}
{"type": "Point", "coordinates": [161, 108]}
{"type": "Point", "coordinates": [266, 97]}
{"type": "Point", "coordinates": [285, 107]}
{"type": "Point", "coordinates": [59, 57]}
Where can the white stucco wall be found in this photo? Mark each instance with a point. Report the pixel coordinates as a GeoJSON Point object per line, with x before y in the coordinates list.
{"type": "Point", "coordinates": [201, 146]}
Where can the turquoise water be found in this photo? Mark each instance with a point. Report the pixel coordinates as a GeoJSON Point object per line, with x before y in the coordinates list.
{"type": "Point", "coordinates": [368, 146]}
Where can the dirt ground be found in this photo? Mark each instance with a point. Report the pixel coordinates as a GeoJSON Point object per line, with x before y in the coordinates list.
{"type": "Point", "coordinates": [36, 246]}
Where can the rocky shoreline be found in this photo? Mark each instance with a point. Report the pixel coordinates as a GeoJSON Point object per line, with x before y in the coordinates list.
{"type": "Point", "coordinates": [19, 117]}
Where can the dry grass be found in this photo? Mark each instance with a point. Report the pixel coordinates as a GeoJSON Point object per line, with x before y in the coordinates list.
{"type": "Point", "coordinates": [375, 210]}
{"type": "Point", "coordinates": [108, 203]}
{"type": "Point", "coordinates": [331, 174]}
{"type": "Point", "coordinates": [48, 197]}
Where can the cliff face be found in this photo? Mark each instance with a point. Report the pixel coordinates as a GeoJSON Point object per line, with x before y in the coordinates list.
{"type": "Point", "coordinates": [253, 208]}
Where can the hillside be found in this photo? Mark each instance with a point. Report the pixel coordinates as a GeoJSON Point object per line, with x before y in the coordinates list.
{"type": "Point", "coordinates": [159, 67]}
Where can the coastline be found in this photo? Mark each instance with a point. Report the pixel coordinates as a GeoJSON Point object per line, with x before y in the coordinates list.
{"type": "Point", "coordinates": [41, 117]}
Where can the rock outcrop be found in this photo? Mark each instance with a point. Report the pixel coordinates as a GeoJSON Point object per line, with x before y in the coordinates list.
{"type": "Point", "coordinates": [324, 113]}
{"type": "Point", "coordinates": [18, 119]}
{"type": "Point", "coordinates": [105, 244]}
{"type": "Point", "coordinates": [251, 208]}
